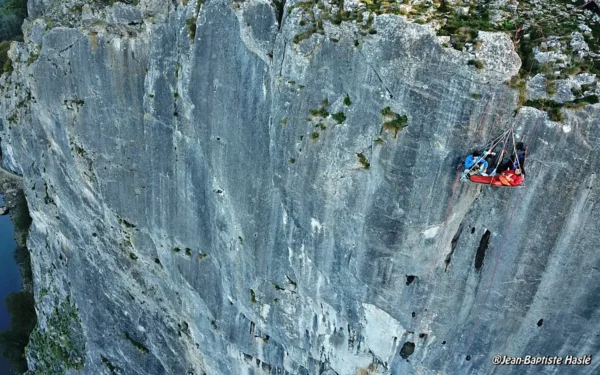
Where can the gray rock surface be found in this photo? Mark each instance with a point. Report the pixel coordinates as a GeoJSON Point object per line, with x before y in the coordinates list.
{"type": "Point", "coordinates": [201, 220]}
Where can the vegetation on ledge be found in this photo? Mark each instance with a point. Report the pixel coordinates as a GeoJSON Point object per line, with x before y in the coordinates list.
{"type": "Point", "coordinates": [61, 346]}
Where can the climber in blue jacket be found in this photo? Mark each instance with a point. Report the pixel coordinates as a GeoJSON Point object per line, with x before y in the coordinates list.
{"type": "Point", "coordinates": [475, 164]}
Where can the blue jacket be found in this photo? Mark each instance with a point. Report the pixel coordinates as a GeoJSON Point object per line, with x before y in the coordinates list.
{"type": "Point", "coordinates": [521, 160]}
{"type": "Point", "coordinates": [471, 160]}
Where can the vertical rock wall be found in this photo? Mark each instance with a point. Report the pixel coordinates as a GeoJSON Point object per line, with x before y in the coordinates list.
{"type": "Point", "coordinates": [219, 199]}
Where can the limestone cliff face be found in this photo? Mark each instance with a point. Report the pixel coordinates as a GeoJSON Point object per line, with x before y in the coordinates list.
{"type": "Point", "coordinates": [211, 194]}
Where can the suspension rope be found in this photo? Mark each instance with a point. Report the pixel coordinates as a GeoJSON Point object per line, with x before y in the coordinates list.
{"type": "Point", "coordinates": [478, 316]}
{"type": "Point", "coordinates": [501, 156]}
{"type": "Point", "coordinates": [516, 153]}
{"type": "Point", "coordinates": [507, 231]}
{"type": "Point", "coordinates": [494, 143]}
{"type": "Point", "coordinates": [503, 137]}
{"type": "Point", "coordinates": [496, 117]}
{"type": "Point", "coordinates": [483, 115]}
{"type": "Point", "coordinates": [449, 209]}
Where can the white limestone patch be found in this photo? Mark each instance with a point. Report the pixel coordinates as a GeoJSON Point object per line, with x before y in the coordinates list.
{"type": "Point", "coordinates": [585, 78]}
{"type": "Point", "coordinates": [259, 47]}
{"type": "Point", "coordinates": [264, 311]}
{"type": "Point", "coordinates": [500, 60]}
{"type": "Point", "coordinates": [443, 39]}
{"type": "Point", "coordinates": [299, 260]}
{"type": "Point", "coordinates": [381, 332]}
{"type": "Point", "coordinates": [329, 335]}
{"type": "Point", "coordinates": [201, 20]}
{"type": "Point", "coordinates": [549, 123]}
{"type": "Point", "coordinates": [116, 43]}
{"type": "Point", "coordinates": [536, 88]}
{"type": "Point", "coordinates": [391, 26]}
{"type": "Point", "coordinates": [551, 56]}
{"type": "Point", "coordinates": [315, 226]}
{"type": "Point", "coordinates": [585, 28]}
{"type": "Point", "coordinates": [431, 232]}
{"type": "Point", "coordinates": [578, 44]}
{"type": "Point", "coordinates": [566, 128]}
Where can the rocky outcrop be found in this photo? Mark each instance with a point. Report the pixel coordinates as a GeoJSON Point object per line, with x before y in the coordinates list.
{"type": "Point", "coordinates": [219, 188]}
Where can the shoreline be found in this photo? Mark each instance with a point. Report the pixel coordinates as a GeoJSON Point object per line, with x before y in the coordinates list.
{"type": "Point", "coordinates": [11, 186]}
{"type": "Point", "coordinates": [20, 304]}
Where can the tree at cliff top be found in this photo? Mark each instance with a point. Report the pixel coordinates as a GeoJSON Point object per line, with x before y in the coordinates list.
{"type": "Point", "coordinates": [12, 14]}
{"type": "Point", "coordinates": [23, 319]}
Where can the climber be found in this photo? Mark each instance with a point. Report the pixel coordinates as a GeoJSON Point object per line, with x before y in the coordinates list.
{"type": "Point", "coordinates": [504, 164]}
{"type": "Point", "coordinates": [476, 164]}
{"type": "Point", "coordinates": [518, 160]}
{"type": "Point", "coordinates": [493, 161]}
{"type": "Point", "coordinates": [475, 160]}
{"type": "Point", "coordinates": [505, 169]}
{"type": "Point", "coordinates": [511, 177]}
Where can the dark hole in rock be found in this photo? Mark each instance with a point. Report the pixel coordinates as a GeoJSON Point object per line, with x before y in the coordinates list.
{"type": "Point", "coordinates": [279, 9]}
{"type": "Point", "coordinates": [472, 230]}
{"type": "Point", "coordinates": [413, 314]}
{"type": "Point", "coordinates": [468, 358]}
{"type": "Point", "coordinates": [423, 335]}
{"type": "Point", "coordinates": [540, 322]}
{"type": "Point", "coordinates": [218, 138]}
{"type": "Point", "coordinates": [444, 342]}
{"type": "Point", "coordinates": [407, 349]}
{"type": "Point", "coordinates": [483, 245]}
{"type": "Point", "coordinates": [410, 279]}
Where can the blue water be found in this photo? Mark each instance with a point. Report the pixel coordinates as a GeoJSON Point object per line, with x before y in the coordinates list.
{"type": "Point", "coordinates": [10, 277]}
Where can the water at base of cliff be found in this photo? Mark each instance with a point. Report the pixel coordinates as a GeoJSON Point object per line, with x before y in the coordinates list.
{"type": "Point", "coordinates": [10, 277]}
